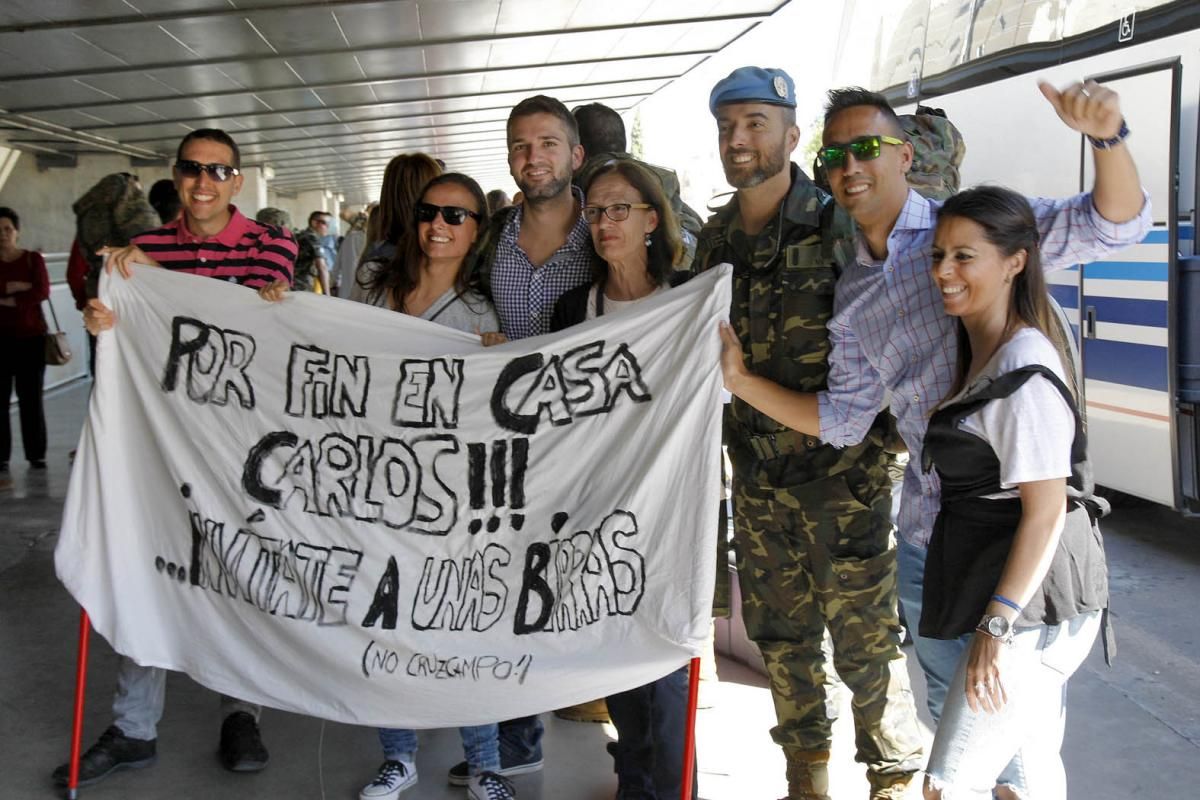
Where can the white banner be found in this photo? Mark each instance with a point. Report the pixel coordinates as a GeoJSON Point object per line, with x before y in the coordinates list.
{"type": "Point", "coordinates": [346, 512]}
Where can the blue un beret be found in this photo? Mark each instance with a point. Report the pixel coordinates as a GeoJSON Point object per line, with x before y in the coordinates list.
{"type": "Point", "coordinates": [754, 85]}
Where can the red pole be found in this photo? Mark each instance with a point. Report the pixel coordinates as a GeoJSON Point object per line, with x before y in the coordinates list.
{"type": "Point", "coordinates": [80, 684]}
{"type": "Point", "coordinates": [689, 741]}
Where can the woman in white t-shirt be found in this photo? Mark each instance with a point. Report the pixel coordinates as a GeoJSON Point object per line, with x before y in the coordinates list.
{"type": "Point", "coordinates": [1015, 561]}
{"type": "Point", "coordinates": [637, 237]}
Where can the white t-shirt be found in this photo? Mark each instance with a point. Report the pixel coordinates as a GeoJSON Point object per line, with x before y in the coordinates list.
{"type": "Point", "coordinates": [1031, 430]}
{"type": "Point", "coordinates": [613, 306]}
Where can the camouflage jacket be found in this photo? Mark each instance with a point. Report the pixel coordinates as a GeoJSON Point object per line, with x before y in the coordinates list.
{"type": "Point", "coordinates": [783, 283]}
{"type": "Point", "coordinates": [110, 213]}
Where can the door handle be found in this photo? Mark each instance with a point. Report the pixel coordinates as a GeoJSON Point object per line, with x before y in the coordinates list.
{"type": "Point", "coordinates": [1089, 327]}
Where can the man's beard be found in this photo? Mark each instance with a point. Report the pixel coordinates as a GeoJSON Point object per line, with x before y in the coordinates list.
{"type": "Point", "coordinates": [546, 191]}
{"type": "Point", "coordinates": [769, 164]}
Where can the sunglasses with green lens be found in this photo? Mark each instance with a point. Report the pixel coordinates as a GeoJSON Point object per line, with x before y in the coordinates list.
{"type": "Point", "coordinates": [864, 148]}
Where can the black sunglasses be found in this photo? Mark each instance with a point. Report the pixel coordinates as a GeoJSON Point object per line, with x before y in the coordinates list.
{"type": "Point", "coordinates": [219, 172]}
{"type": "Point", "coordinates": [453, 215]}
{"type": "Point", "coordinates": [864, 148]}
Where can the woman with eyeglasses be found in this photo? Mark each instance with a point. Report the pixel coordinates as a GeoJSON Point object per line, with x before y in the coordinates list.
{"type": "Point", "coordinates": [1015, 562]}
{"type": "Point", "coordinates": [638, 239]}
{"type": "Point", "coordinates": [430, 279]}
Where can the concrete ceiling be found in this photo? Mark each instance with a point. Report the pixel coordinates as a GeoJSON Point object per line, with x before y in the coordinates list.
{"type": "Point", "coordinates": [327, 92]}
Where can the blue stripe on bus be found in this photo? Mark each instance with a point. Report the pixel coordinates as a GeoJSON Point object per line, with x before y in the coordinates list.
{"type": "Point", "coordinates": [1067, 296]}
{"type": "Point", "coordinates": [1126, 270]}
{"type": "Point", "coordinates": [1140, 365]}
{"type": "Point", "coordinates": [1128, 312]}
{"type": "Point", "coordinates": [1161, 236]}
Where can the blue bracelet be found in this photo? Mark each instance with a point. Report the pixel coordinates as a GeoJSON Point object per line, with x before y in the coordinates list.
{"type": "Point", "coordinates": [999, 598]}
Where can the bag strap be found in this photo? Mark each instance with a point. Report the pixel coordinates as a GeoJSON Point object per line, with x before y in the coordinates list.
{"type": "Point", "coordinates": [49, 301]}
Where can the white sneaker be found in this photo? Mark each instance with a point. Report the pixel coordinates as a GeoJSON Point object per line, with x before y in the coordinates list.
{"type": "Point", "coordinates": [392, 779]}
{"type": "Point", "coordinates": [490, 786]}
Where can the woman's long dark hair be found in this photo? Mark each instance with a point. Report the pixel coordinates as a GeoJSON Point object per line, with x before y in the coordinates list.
{"type": "Point", "coordinates": [1009, 225]}
{"type": "Point", "coordinates": [404, 272]}
{"type": "Point", "coordinates": [394, 218]}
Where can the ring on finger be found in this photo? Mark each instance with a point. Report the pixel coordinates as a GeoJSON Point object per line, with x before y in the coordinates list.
{"type": "Point", "coordinates": [980, 687]}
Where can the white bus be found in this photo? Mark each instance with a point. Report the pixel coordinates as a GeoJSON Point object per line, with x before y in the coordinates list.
{"type": "Point", "coordinates": [1137, 315]}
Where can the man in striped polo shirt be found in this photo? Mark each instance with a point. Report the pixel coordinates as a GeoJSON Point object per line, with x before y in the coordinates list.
{"type": "Point", "coordinates": [211, 237]}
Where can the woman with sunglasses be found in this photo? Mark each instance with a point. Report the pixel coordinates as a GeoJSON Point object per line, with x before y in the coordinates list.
{"type": "Point", "coordinates": [638, 240]}
{"type": "Point", "coordinates": [1015, 561]}
{"type": "Point", "coordinates": [393, 223]}
{"type": "Point", "coordinates": [430, 279]}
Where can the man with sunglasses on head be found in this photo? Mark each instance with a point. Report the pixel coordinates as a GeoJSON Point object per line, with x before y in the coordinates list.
{"type": "Point", "coordinates": [811, 521]}
{"type": "Point", "coordinates": [313, 259]}
{"type": "Point", "coordinates": [890, 334]}
{"type": "Point", "coordinates": [210, 238]}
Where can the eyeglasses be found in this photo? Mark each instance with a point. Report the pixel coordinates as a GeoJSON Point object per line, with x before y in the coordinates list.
{"type": "Point", "coordinates": [617, 212]}
{"type": "Point", "coordinates": [453, 215]}
{"type": "Point", "coordinates": [864, 148]}
{"type": "Point", "coordinates": [219, 172]}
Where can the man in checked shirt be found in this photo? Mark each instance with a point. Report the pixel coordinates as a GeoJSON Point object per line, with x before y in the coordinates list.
{"type": "Point", "coordinates": [889, 332]}
{"type": "Point", "coordinates": [535, 252]}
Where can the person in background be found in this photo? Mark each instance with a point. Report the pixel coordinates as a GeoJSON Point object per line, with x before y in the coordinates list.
{"type": "Point", "coordinates": [24, 284]}
{"type": "Point", "coordinates": [349, 252]}
{"type": "Point", "coordinates": [405, 176]}
{"type": "Point", "coordinates": [274, 216]}
{"type": "Point", "coordinates": [312, 268]}
{"type": "Point", "coordinates": [430, 278]}
{"type": "Point", "coordinates": [1015, 563]}
{"type": "Point", "coordinates": [497, 199]}
{"type": "Point", "coordinates": [638, 239]}
{"type": "Point", "coordinates": [164, 198]}
{"type": "Point", "coordinates": [109, 214]}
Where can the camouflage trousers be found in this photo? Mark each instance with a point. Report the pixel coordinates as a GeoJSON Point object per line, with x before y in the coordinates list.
{"type": "Point", "coordinates": [815, 557]}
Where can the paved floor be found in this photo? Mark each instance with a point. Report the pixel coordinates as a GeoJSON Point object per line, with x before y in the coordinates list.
{"type": "Point", "coordinates": [1132, 731]}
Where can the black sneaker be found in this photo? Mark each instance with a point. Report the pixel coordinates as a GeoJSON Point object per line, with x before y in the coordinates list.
{"type": "Point", "coordinates": [37, 463]}
{"type": "Point", "coordinates": [241, 747]}
{"type": "Point", "coordinates": [460, 774]}
{"type": "Point", "coordinates": [112, 752]}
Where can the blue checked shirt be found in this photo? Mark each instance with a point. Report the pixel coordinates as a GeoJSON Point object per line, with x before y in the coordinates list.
{"type": "Point", "coordinates": [524, 294]}
{"type": "Point", "coordinates": [891, 336]}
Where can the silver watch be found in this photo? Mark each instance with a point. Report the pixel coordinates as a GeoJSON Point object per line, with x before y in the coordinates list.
{"type": "Point", "coordinates": [997, 627]}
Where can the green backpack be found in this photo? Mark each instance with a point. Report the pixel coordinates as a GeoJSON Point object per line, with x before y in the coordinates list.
{"type": "Point", "coordinates": [110, 214]}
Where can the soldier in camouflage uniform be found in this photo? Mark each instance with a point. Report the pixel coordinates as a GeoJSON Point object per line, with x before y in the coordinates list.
{"type": "Point", "coordinates": [812, 530]}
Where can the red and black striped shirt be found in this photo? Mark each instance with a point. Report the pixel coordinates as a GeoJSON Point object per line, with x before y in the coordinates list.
{"type": "Point", "coordinates": [245, 252]}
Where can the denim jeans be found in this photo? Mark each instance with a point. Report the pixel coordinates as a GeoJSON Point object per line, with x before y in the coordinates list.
{"type": "Point", "coordinates": [481, 746]}
{"type": "Point", "coordinates": [938, 657]}
{"type": "Point", "coordinates": [651, 725]}
{"type": "Point", "coordinates": [521, 741]}
{"type": "Point", "coordinates": [972, 748]}
{"type": "Point", "coordinates": [141, 694]}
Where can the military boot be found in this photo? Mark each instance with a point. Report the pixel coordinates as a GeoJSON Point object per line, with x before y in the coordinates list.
{"type": "Point", "coordinates": [890, 787]}
{"type": "Point", "coordinates": [807, 774]}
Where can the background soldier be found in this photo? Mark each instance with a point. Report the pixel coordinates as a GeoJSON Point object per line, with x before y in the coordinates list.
{"type": "Point", "coordinates": [812, 529]}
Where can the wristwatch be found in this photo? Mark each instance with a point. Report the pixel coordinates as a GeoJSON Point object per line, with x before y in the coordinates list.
{"type": "Point", "coordinates": [996, 627]}
{"type": "Point", "coordinates": [1108, 144]}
